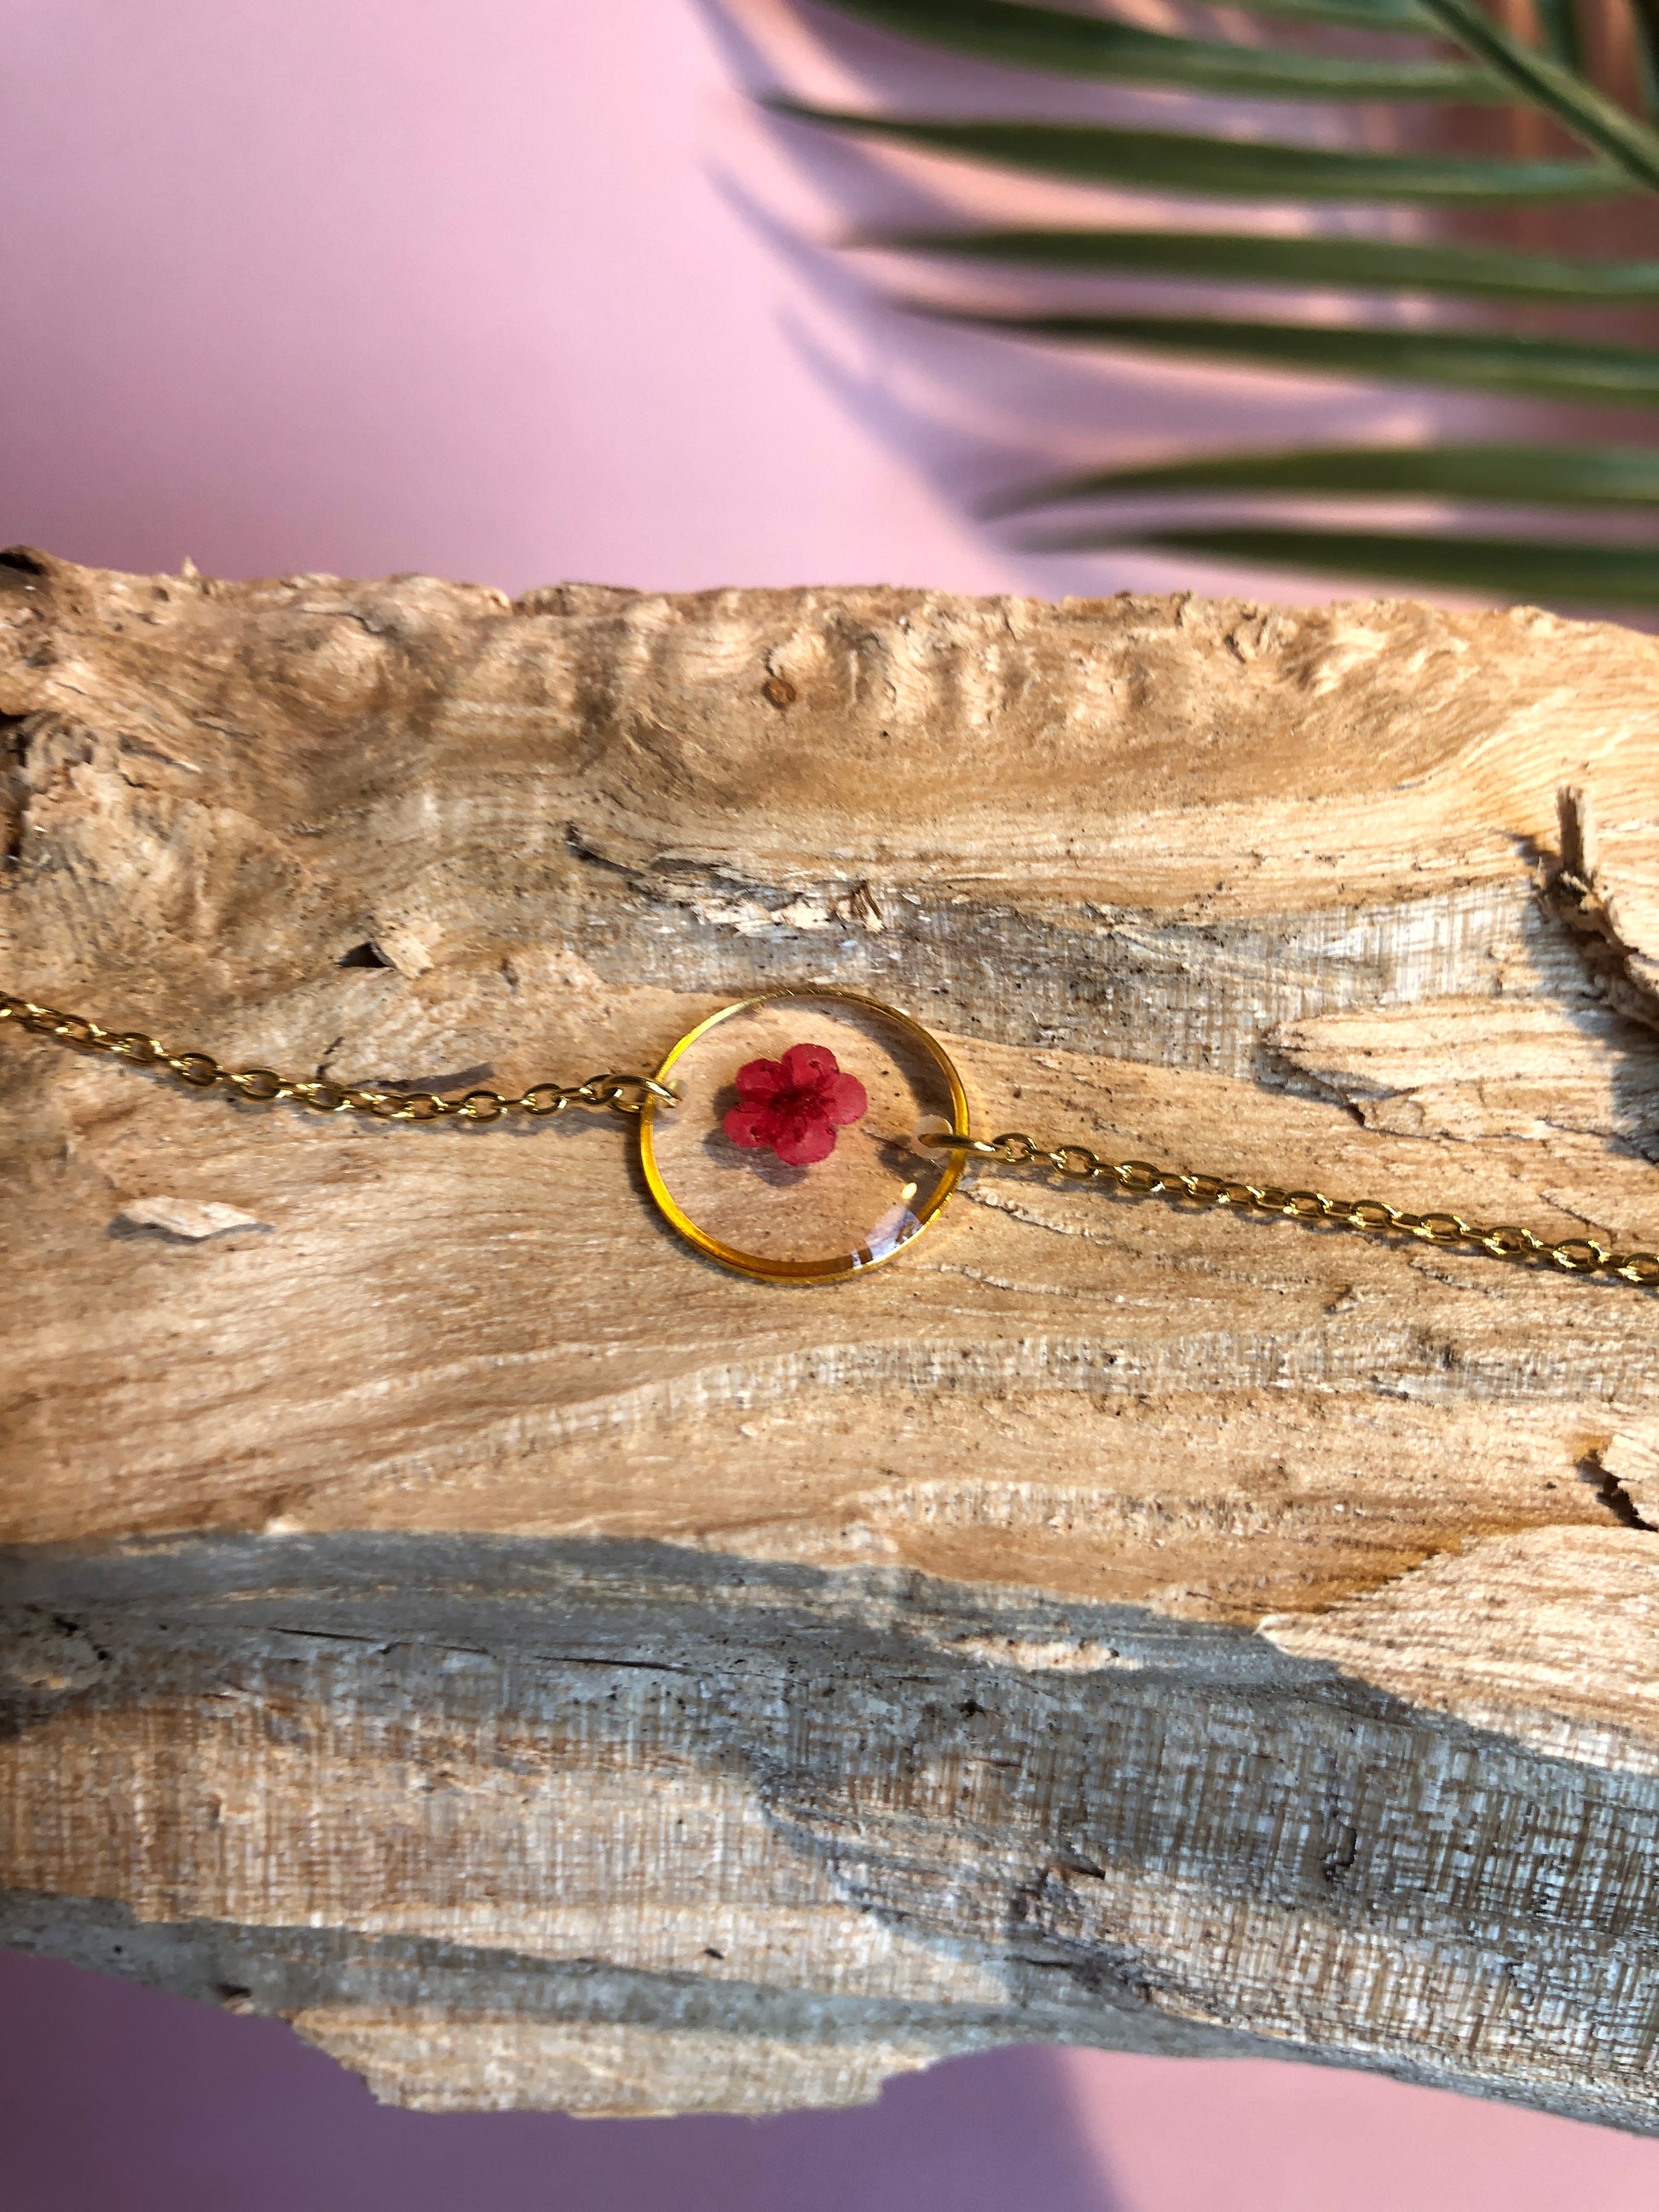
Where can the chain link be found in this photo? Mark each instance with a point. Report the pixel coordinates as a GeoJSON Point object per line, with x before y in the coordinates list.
{"type": "Point", "coordinates": [623, 1094]}
{"type": "Point", "coordinates": [1574, 1255]}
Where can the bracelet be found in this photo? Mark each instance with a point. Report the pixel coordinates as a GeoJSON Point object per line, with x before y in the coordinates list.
{"type": "Point", "coordinates": [867, 1121]}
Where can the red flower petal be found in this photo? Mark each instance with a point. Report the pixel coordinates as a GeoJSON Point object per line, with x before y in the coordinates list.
{"type": "Point", "coordinates": [808, 1066]}
{"type": "Point", "coordinates": [759, 1079]}
{"type": "Point", "coordinates": [809, 1139]}
{"type": "Point", "coordinates": [751, 1127]}
{"type": "Point", "coordinates": [845, 1098]}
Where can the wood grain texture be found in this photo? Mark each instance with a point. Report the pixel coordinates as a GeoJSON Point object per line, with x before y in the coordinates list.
{"type": "Point", "coordinates": [445, 1612]}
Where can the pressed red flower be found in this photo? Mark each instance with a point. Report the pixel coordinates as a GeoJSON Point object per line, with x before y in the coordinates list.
{"type": "Point", "coordinates": [795, 1105]}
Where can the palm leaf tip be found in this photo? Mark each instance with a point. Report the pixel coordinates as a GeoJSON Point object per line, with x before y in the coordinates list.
{"type": "Point", "coordinates": [1345, 262]}
{"type": "Point", "coordinates": [1580, 575]}
{"type": "Point", "coordinates": [1491, 360]}
{"type": "Point", "coordinates": [1061, 43]}
{"type": "Point", "coordinates": [1513, 475]}
{"type": "Point", "coordinates": [1096, 46]}
{"type": "Point", "coordinates": [1211, 167]}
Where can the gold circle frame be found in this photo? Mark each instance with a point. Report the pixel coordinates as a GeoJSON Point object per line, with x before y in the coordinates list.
{"type": "Point", "coordinates": [854, 1263]}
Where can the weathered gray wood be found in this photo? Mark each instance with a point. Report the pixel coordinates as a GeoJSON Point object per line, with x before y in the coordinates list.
{"type": "Point", "coordinates": [552, 1670]}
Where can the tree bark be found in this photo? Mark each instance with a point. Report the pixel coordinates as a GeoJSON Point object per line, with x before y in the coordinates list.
{"type": "Point", "coordinates": [445, 1611]}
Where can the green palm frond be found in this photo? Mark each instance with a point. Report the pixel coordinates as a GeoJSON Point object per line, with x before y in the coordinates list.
{"type": "Point", "coordinates": [1433, 57]}
{"type": "Point", "coordinates": [1354, 265]}
{"type": "Point", "coordinates": [1490, 361]}
{"type": "Point", "coordinates": [1094, 46]}
{"type": "Point", "coordinates": [1522, 476]}
{"type": "Point", "coordinates": [1508, 567]}
{"type": "Point", "coordinates": [1242, 168]}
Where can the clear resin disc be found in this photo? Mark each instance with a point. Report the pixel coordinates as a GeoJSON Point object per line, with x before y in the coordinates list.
{"type": "Point", "coordinates": [796, 1150]}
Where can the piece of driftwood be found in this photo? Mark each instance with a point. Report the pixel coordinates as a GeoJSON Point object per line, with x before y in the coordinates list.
{"type": "Point", "coordinates": [445, 1612]}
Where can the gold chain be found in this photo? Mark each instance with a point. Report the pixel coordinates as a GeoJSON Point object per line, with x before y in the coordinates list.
{"type": "Point", "coordinates": [1576, 1255]}
{"type": "Point", "coordinates": [627, 1094]}
{"type": "Point", "coordinates": [623, 1094]}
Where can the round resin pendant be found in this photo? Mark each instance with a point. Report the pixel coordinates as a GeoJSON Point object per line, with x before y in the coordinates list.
{"type": "Point", "coordinates": [796, 1150]}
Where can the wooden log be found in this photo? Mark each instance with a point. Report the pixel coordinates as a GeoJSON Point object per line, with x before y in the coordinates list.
{"type": "Point", "coordinates": [549, 1669]}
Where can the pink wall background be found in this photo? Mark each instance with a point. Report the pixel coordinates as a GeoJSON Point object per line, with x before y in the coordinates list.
{"type": "Point", "coordinates": [517, 291]}
{"type": "Point", "coordinates": [527, 289]}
